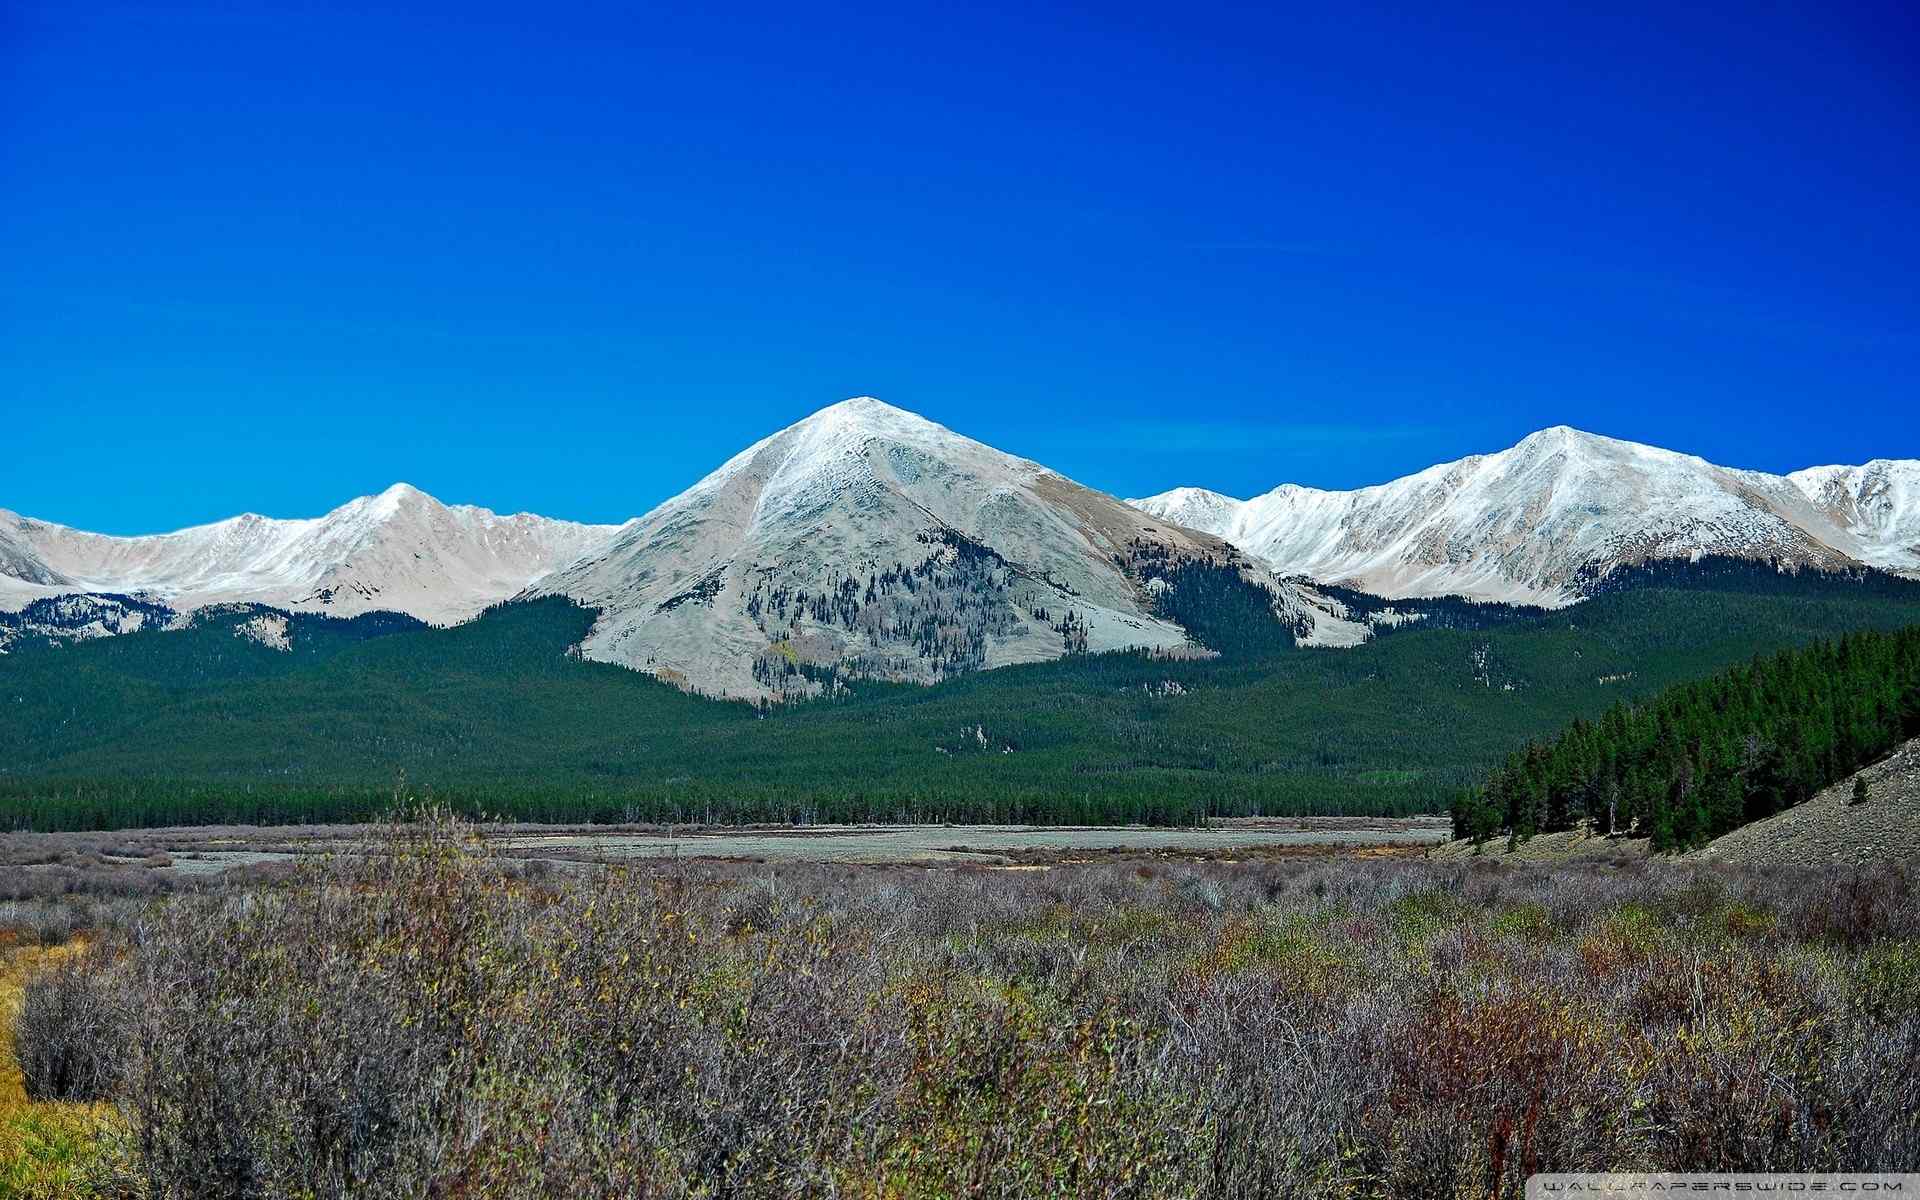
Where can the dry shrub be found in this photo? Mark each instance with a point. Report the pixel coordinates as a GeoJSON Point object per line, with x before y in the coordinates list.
{"type": "Point", "coordinates": [431, 1021]}
{"type": "Point", "coordinates": [68, 1038]}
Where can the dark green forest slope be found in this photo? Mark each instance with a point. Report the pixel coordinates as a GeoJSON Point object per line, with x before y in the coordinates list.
{"type": "Point", "coordinates": [1703, 758]}
{"type": "Point", "coordinates": [197, 725]}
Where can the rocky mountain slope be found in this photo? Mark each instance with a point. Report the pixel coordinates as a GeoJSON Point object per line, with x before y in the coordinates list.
{"type": "Point", "coordinates": [1539, 522]}
{"type": "Point", "coordinates": [401, 551]}
{"type": "Point", "coordinates": [1832, 828]}
{"type": "Point", "coordinates": [1877, 504]}
{"type": "Point", "coordinates": [871, 540]}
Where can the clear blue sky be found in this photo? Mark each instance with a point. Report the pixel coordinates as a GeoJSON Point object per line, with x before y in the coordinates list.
{"type": "Point", "coordinates": [568, 257]}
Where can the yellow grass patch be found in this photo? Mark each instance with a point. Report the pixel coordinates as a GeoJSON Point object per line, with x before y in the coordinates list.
{"type": "Point", "coordinates": [46, 1149]}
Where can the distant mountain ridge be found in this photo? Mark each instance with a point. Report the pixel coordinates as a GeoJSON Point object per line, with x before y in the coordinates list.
{"type": "Point", "coordinates": [867, 541]}
{"type": "Point", "coordinates": [862, 540]}
{"type": "Point", "coordinates": [401, 550]}
{"type": "Point", "coordinates": [1533, 523]}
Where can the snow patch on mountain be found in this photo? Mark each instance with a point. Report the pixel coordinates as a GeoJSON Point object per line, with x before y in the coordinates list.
{"type": "Point", "coordinates": [268, 628]}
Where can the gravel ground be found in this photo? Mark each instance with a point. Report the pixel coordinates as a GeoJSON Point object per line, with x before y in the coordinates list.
{"type": "Point", "coordinates": [975, 843]}
{"type": "Point", "coordinates": [208, 850]}
{"type": "Point", "coordinates": [212, 862]}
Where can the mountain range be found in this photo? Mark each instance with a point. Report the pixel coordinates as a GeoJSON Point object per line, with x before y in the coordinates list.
{"type": "Point", "coordinates": [1543, 522]}
{"type": "Point", "coordinates": [866, 540]}
{"type": "Point", "coordinates": [401, 551]}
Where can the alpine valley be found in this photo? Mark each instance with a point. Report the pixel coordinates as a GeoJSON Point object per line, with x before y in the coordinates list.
{"type": "Point", "coordinates": [918, 624]}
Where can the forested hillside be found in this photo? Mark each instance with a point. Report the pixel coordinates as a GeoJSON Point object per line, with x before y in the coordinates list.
{"type": "Point", "coordinates": [1706, 757]}
{"type": "Point", "coordinates": [199, 725]}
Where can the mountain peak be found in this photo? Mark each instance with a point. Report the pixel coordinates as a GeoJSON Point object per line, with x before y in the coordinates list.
{"type": "Point", "coordinates": [1560, 436]}
{"type": "Point", "coordinates": [1587, 451]}
{"type": "Point", "coordinates": [830, 447]}
{"type": "Point", "coordinates": [869, 539]}
{"type": "Point", "coordinates": [865, 413]}
{"type": "Point", "coordinates": [863, 404]}
{"type": "Point", "coordinates": [402, 494]}
{"type": "Point", "coordinates": [1196, 493]}
{"type": "Point", "coordinates": [400, 550]}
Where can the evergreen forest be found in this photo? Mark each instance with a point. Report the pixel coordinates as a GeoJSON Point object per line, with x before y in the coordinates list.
{"type": "Point", "coordinates": [498, 717]}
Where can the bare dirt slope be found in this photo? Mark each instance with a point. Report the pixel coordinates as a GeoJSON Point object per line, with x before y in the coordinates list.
{"type": "Point", "coordinates": [1831, 829]}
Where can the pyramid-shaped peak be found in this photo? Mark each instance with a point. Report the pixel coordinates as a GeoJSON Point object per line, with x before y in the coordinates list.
{"type": "Point", "coordinates": [865, 410]}
{"type": "Point", "coordinates": [405, 493]}
{"type": "Point", "coordinates": [864, 419]}
{"type": "Point", "coordinates": [863, 403]}
{"type": "Point", "coordinates": [1560, 435]}
{"type": "Point", "coordinates": [399, 497]}
{"type": "Point", "coordinates": [1197, 493]}
{"type": "Point", "coordinates": [1557, 439]}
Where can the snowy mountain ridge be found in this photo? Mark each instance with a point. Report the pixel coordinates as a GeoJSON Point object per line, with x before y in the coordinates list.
{"type": "Point", "coordinates": [862, 541]}
{"type": "Point", "coordinates": [401, 550]}
{"type": "Point", "coordinates": [1533, 523]}
{"type": "Point", "coordinates": [865, 541]}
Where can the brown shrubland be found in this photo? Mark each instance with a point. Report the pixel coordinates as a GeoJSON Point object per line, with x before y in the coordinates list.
{"type": "Point", "coordinates": [436, 1021]}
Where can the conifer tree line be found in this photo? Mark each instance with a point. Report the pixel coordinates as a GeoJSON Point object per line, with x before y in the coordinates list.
{"type": "Point", "coordinates": [1218, 606]}
{"type": "Point", "coordinates": [1703, 758]}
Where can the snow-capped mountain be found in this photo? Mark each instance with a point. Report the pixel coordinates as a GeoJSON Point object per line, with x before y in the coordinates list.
{"type": "Point", "coordinates": [1878, 505]}
{"type": "Point", "coordinates": [869, 538]}
{"type": "Point", "coordinates": [1538, 522]}
{"type": "Point", "coordinates": [401, 551]}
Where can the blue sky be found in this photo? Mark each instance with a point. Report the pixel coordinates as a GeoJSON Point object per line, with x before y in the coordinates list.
{"type": "Point", "coordinates": [569, 257]}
